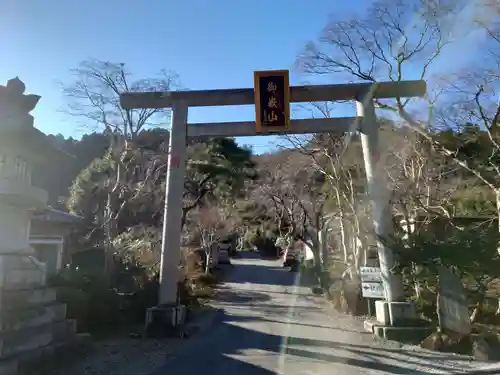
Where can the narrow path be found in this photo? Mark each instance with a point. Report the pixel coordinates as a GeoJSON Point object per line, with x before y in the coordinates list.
{"type": "Point", "coordinates": [272, 326]}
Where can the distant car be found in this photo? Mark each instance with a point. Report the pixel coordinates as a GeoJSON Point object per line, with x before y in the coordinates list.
{"type": "Point", "coordinates": [224, 257]}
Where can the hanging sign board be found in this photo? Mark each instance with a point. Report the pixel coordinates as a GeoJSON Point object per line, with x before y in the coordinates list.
{"type": "Point", "coordinates": [272, 100]}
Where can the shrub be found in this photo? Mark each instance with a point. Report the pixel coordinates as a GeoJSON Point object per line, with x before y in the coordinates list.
{"type": "Point", "coordinates": [193, 260]}
{"type": "Point", "coordinates": [470, 253]}
{"type": "Point", "coordinates": [205, 293]}
{"type": "Point", "coordinates": [96, 307]}
{"type": "Point", "coordinates": [143, 298]}
{"type": "Point", "coordinates": [426, 307]}
{"type": "Point", "coordinates": [205, 279]}
{"type": "Point", "coordinates": [196, 285]}
{"type": "Point", "coordinates": [87, 301]}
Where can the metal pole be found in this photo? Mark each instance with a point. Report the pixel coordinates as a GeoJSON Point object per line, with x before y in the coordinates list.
{"type": "Point", "coordinates": [379, 197]}
{"type": "Point", "coordinates": [174, 188]}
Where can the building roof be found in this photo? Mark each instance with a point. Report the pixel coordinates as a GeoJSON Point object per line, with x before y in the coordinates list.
{"type": "Point", "coordinates": [52, 215]}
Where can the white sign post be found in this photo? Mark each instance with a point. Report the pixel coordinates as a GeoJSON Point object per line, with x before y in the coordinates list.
{"type": "Point", "coordinates": [371, 282]}
{"type": "Point", "coordinates": [372, 290]}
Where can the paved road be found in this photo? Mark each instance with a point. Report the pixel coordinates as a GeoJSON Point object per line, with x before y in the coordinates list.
{"type": "Point", "coordinates": [271, 326]}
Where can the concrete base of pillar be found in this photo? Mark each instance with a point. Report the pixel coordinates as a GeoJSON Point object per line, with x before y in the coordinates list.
{"type": "Point", "coordinates": [408, 334]}
{"type": "Point", "coordinates": [165, 320]}
{"type": "Point", "coordinates": [395, 313]}
{"type": "Point", "coordinates": [398, 321]}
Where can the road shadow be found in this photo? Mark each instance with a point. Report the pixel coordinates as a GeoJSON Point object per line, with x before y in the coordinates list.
{"type": "Point", "coordinates": [229, 339]}
{"type": "Point", "coordinates": [306, 295]}
{"type": "Point", "coordinates": [271, 310]}
{"type": "Point", "coordinates": [269, 275]}
{"type": "Point", "coordinates": [242, 318]}
{"type": "Point", "coordinates": [366, 357]}
{"type": "Point", "coordinates": [354, 347]}
{"type": "Point", "coordinates": [226, 295]}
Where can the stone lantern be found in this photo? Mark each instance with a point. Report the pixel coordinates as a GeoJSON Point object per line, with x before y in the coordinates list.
{"type": "Point", "coordinates": [22, 146]}
{"type": "Point", "coordinates": [32, 323]}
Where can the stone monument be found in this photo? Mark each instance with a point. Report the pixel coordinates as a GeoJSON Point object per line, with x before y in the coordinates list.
{"type": "Point", "coordinates": [33, 326]}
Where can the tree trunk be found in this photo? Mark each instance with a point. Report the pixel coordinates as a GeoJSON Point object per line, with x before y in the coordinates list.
{"type": "Point", "coordinates": [475, 312]}
{"type": "Point", "coordinates": [497, 195]}
{"type": "Point", "coordinates": [409, 227]}
{"type": "Point", "coordinates": [207, 261]}
{"type": "Point", "coordinates": [343, 240]}
{"type": "Point", "coordinates": [109, 235]}
{"type": "Point", "coordinates": [118, 146]}
{"type": "Point", "coordinates": [325, 266]}
{"type": "Point", "coordinates": [343, 237]}
{"type": "Point", "coordinates": [358, 254]}
{"type": "Point", "coordinates": [323, 248]}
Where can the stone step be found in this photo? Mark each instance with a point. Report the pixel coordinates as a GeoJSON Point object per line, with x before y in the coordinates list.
{"type": "Point", "coordinates": [18, 299]}
{"type": "Point", "coordinates": [41, 361]}
{"type": "Point", "coordinates": [14, 342]}
{"type": "Point", "coordinates": [32, 316]}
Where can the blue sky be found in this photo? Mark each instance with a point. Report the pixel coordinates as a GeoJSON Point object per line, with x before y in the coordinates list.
{"type": "Point", "coordinates": [210, 44]}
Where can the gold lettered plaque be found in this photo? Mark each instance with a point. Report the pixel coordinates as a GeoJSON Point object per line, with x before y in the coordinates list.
{"type": "Point", "coordinates": [272, 100]}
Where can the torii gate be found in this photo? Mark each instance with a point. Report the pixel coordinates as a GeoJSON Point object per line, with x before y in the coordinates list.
{"type": "Point", "coordinates": [180, 101]}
